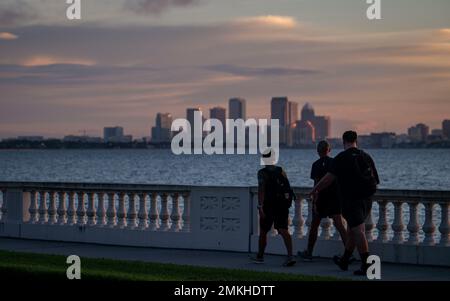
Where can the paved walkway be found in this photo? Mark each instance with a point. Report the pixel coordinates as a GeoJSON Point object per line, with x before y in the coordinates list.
{"type": "Point", "coordinates": [319, 267]}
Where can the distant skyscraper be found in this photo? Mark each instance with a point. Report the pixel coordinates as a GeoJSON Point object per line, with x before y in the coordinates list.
{"type": "Point", "coordinates": [293, 112]}
{"type": "Point", "coordinates": [112, 133]}
{"type": "Point", "coordinates": [419, 132]}
{"type": "Point", "coordinates": [161, 133]}
{"type": "Point", "coordinates": [190, 117]}
{"type": "Point", "coordinates": [220, 114]}
{"type": "Point", "coordinates": [303, 133]}
{"type": "Point", "coordinates": [322, 124]}
{"type": "Point", "coordinates": [446, 128]}
{"type": "Point", "coordinates": [237, 108]}
{"type": "Point", "coordinates": [279, 110]}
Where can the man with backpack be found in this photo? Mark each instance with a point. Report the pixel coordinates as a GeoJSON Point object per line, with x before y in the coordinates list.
{"type": "Point", "coordinates": [357, 180]}
{"type": "Point", "coordinates": [274, 200]}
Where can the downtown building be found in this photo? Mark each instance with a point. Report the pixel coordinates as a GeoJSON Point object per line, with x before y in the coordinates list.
{"type": "Point", "coordinates": [116, 135]}
{"type": "Point", "coordinates": [321, 124]}
{"type": "Point", "coordinates": [161, 132]}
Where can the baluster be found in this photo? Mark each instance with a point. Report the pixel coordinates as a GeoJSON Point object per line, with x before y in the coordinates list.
{"type": "Point", "coordinates": [34, 195]}
{"type": "Point", "coordinates": [413, 224]}
{"type": "Point", "coordinates": [428, 227]}
{"type": "Point", "coordinates": [398, 225]}
{"type": "Point", "coordinates": [298, 218]}
{"type": "Point", "coordinates": [3, 210]}
{"type": "Point", "coordinates": [175, 216]}
{"type": "Point", "coordinates": [43, 208]}
{"type": "Point", "coordinates": [101, 212]}
{"type": "Point", "coordinates": [325, 225]}
{"type": "Point", "coordinates": [132, 223]}
{"type": "Point", "coordinates": [111, 213]}
{"type": "Point", "coordinates": [444, 227]}
{"type": "Point", "coordinates": [143, 214]}
{"type": "Point", "coordinates": [121, 213]}
{"type": "Point", "coordinates": [165, 215]}
{"type": "Point", "coordinates": [369, 226]}
{"type": "Point", "coordinates": [71, 211]}
{"type": "Point", "coordinates": [62, 211]}
{"type": "Point", "coordinates": [154, 215]}
{"type": "Point", "coordinates": [186, 212]}
{"type": "Point", "coordinates": [382, 225]}
{"type": "Point", "coordinates": [52, 208]}
{"type": "Point", "coordinates": [81, 210]}
{"type": "Point", "coordinates": [91, 212]}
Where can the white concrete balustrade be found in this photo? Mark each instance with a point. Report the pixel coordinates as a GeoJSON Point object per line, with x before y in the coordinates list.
{"type": "Point", "coordinates": [404, 226]}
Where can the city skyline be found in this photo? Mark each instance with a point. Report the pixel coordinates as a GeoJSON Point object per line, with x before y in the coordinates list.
{"type": "Point", "coordinates": [125, 62]}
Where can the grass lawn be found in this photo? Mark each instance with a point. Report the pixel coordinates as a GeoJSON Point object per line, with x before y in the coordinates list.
{"type": "Point", "coordinates": [38, 266]}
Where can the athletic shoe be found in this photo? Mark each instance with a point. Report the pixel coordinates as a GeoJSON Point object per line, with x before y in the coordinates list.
{"type": "Point", "coordinates": [290, 261]}
{"type": "Point", "coordinates": [341, 263]}
{"type": "Point", "coordinates": [257, 259]}
{"type": "Point", "coordinates": [305, 255]}
{"type": "Point", "coordinates": [362, 270]}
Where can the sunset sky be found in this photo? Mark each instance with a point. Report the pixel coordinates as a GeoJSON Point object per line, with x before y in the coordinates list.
{"type": "Point", "coordinates": [126, 60]}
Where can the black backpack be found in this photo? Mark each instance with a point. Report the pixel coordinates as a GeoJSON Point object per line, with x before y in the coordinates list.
{"type": "Point", "coordinates": [278, 189]}
{"type": "Point", "coordinates": [366, 181]}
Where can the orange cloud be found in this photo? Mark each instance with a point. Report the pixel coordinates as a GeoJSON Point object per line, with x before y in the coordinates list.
{"type": "Point", "coordinates": [7, 36]}
{"type": "Point", "coordinates": [285, 22]}
{"type": "Point", "coordinates": [47, 60]}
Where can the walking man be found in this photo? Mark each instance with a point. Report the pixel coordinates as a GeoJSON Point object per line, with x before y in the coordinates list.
{"type": "Point", "coordinates": [274, 200]}
{"type": "Point", "coordinates": [327, 203]}
{"type": "Point", "coordinates": [357, 180]}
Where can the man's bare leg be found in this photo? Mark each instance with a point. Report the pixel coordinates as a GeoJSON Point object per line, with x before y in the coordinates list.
{"type": "Point", "coordinates": [312, 235]}
{"type": "Point", "coordinates": [339, 224]}
{"type": "Point", "coordinates": [287, 240]}
{"type": "Point", "coordinates": [262, 243]}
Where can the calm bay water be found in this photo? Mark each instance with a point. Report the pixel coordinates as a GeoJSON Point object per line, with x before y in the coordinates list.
{"type": "Point", "coordinates": [399, 169]}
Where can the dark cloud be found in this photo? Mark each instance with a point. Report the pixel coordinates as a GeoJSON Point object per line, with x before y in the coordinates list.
{"type": "Point", "coordinates": [156, 7]}
{"type": "Point", "coordinates": [270, 71]}
{"type": "Point", "coordinates": [13, 13]}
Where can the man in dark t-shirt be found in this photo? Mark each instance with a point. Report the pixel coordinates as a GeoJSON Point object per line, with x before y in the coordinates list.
{"type": "Point", "coordinates": [271, 211]}
{"type": "Point", "coordinates": [327, 204]}
{"type": "Point", "coordinates": [352, 169]}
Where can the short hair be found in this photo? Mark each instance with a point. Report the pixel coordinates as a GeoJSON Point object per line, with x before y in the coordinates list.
{"type": "Point", "coordinates": [350, 137]}
{"type": "Point", "coordinates": [323, 147]}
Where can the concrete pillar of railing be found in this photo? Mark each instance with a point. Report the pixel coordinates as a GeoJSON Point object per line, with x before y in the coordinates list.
{"type": "Point", "coordinates": [15, 208]}
{"type": "Point", "coordinates": [444, 227]}
{"type": "Point", "coordinates": [413, 224]}
{"type": "Point", "coordinates": [187, 212]}
{"type": "Point", "coordinates": [62, 211]}
{"type": "Point", "coordinates": [3, 209]}
{"type": "Point", "coordinates": [101, 212]}
{"type": "Point", "coordinates": [43, 214]}
{"type": "Point", "coordinates": [369, 226]}
{"type": "Point", "coordinates": [175, 216]}
{"type": "Point", "coordinates": [143, 214]}
{"type": "Point", "coordinates": [325, 225]}
{"type": "Point", "coordinates": [397, 225]}
{"type": "Point", "coordinates": [154, 215]}
{"type": "Point", "coordinates": [165, 215]}
{"type": "Point", "coordinates": [382, 224]}
{"type": "Point", "coordinates": [298, 218]}
{"type": "Point", "coordinates": [132, 214]}
{"type": "Point", "coordinates": [81, 210]}
{"type": "Point", "coordinates": [428, 227]}
{"type": "Point", "coordinates": [71, 211]}
{"type": "Point", "coordinates": [34, 214]}
{"type": "Point", "coordinates": [52, 208]}
{"type": "Point", "coordinates": [111, 213]}
{"type": "Point", "coordinates": [121, 213]}
{"type": "Point", "coordinates": [91, 211]}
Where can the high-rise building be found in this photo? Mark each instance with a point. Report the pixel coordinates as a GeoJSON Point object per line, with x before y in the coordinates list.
{"type": "Point", "coordinates": [322, 124]}
{"type": "Point", "coordinates": [161, 133]}
{"type": "Point", "coordinates": [280, 109]}
{"type": "Point", "coordinates": [190, 118]}
{"type": "Point", "coordinates": [218, 113]}
{"type": "Point", "coordinates": [303, 133]}
{"type": "Point", "coordinates": [419, 132]}
{"type": "Point", "coordinates": [112, 133]}
{"type": "Point", "coordinates": [237, 108]}
{"type": "Point", "coordinates": [446, 128]}
{"type": "Point", "coordinates": [293, 113]}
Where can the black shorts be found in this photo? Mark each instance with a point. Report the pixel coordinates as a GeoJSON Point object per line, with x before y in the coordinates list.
{"type": "Point", "coordinates": [356, 212]}
{"type": "Point", "coordinates": [327, 207]}
{"type": "Point", "coordinates": [279, 218]}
